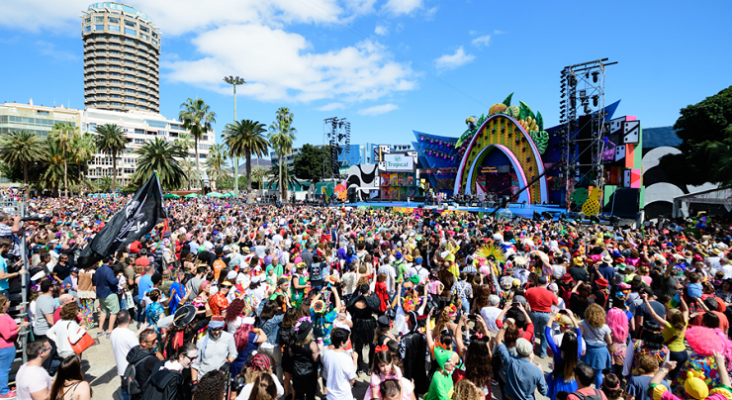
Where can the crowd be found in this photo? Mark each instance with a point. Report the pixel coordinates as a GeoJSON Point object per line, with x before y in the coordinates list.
{"type": "Point", "coordinates": [228, 300]}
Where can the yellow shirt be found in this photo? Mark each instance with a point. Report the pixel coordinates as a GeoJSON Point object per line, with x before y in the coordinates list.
{"type": "Point", "coordinates": [678, 343]}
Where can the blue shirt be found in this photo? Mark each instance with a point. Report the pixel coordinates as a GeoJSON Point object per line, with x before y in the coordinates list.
{"type": "Point", "coordinates": [106, 282]}
{"type": "Point", "coordinates": [4, 285]}
{"type": "Point", "coordinates": [607, 272]}
{"type": "Point", "coordinates": [522, 377]}
{"type": "Point", "coordinates": [144, 285]}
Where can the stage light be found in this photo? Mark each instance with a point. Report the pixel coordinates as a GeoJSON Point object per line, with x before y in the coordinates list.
{"type": "Point", "coordinates": [594, 219]}
{"type": "Point", "coordinates": [537, 216]}
{"type": "Point", "coordinates": [594, 76]}
{"type": "Point", "coordinates": [547, 215]}
{"type": "Point", "coordinates": [595, 99]}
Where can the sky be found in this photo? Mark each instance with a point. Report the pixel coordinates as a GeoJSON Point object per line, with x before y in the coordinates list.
{"type": "Point", "coordinates": [388, 66]}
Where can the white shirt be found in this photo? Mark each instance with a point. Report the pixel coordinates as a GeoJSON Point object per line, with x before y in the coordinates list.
{"type": "Point", "coordinates": [246, 391]}
{"type": "Point", "coordinates": [339, 370]}
{"type": "Point", "coordinates": [123, 340]}
{"type": "Point", "coordinates": [64, 333]}
{"type": "Point", "coordinates": [420, 270]}
{"type": "Point", "coordinates": [30, 380]}
{"type": "Point", "coordinates": [727, 271]}
{"type": "Point", "coordinates": [489, 315]}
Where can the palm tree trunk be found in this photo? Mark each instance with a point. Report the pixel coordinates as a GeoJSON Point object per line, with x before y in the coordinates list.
{"type": "Point", "coordinates": [198, 165]}
{"type": "Point", "coordinates": [249, 170]}
{"type": "Point", "coordinates": [114, 172]}
{"type": "Point", "coordinates": [236, 176]}
{"type": "Point", "coordinates": [280, 175]}
{"type": "Point", "coordinates": [25, 180]}
{"type": "Point", "coordinates": [66, 178]}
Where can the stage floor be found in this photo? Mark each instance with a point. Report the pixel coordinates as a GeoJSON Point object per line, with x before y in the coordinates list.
{"type": "Point", "coordinates": [522, 210]}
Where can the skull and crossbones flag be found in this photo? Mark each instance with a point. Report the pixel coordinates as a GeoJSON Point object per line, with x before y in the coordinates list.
{"type": "Point", "coordinates": [138, 217]}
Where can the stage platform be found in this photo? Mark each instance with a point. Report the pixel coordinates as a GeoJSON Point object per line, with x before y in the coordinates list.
{"type": "Point", "coordinates": [521, 210]}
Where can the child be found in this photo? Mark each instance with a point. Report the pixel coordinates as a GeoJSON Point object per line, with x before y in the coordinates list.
{"type": "Point", "coordinates": [694, 288]}
{"type": "Point", "coordinates": [441, 386]}
{"type": "Point", "coordinates": [383, 368]}
{"type": "Point", "coordinates": [611, 387]}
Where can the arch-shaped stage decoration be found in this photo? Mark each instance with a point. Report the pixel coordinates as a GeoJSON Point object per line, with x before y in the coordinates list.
{"type": "Point", "coordinates": [506, 134]}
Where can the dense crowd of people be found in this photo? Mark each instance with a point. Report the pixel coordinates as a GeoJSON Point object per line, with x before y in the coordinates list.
{"type": "Point", "coordinates": [228, 300]}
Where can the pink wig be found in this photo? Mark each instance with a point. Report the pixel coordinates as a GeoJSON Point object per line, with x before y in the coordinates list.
{"type": "Point", "coordinates": [705, 341]}
{"type": "Point", "coordinates": [617, 320]}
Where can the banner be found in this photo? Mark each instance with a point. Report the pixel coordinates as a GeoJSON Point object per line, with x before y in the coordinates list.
{"type": "Point", "coordinates": [138, 217]}
{"type": "Point", "coordinates": [399, 162]}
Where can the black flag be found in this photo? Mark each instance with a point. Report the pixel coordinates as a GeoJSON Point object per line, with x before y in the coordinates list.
{"type": "Point", "coordinates": [138, 217]}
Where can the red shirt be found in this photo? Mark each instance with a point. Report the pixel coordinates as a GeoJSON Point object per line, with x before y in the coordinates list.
{"type": "Point", "coordinates": [142, 261]}
{"type": "Point", "coordinates": [541, 299]}
{"type": "Point", "coordinates": [218, 303]}
{"type": "Point", "coordinates": [135, 247]}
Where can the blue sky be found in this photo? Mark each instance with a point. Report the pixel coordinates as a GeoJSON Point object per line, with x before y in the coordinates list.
{"type": "Point", "coordinates": [389, 66]}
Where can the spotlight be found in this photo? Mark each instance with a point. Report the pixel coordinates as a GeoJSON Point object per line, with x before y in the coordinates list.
{"type": "Point", "coordinates": [594, 219]}
{"type": "Point", "coordinates": [537, 216]}
{"type": "Point", "coordinates": [547, 215]}
{"type": "Point", "coordinates": [594, 76]}
{"type": "Point", "coordinates": [595, 100]}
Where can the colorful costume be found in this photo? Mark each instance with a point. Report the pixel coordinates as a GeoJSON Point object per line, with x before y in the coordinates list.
{"type": "Point", "coordinates": [441, 387]}
{"type": "Point", "coordinates": [218, 303]}
{"type": "Point", "coordinates": [695, 386]}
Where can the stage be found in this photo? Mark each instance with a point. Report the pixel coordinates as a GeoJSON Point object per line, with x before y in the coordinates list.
{"type": "Point", "coordinates": [521, 210]}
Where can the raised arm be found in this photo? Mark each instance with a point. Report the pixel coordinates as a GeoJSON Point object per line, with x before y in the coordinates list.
{"type": "Point", "coordinates": [721, 365]}
{"type": "Point", "coordinates": [459, 335]}
{"type": "Point", "coordinates": [428, 331]}
{"type": "Point", "coordinates": [653, 312]}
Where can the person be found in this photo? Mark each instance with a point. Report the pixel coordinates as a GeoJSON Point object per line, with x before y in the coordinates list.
{"type": "Point", "coordinates": [260, 364]}
{"type": "Point", "coordinates": [218, 301]}
{"type": "Point", "coordinates": [154, 312]}
{"type": "Point", "coordinates": [362, 305]}
{"type": "Point", "coordinates": [412, 348]}
{"type": "Point", "coordinates": [166, 383]}
{"type": "Point", "coordinates": [541, 300]}
{"type": "Point", "coordinates": [585, 374]}
{"type": "Point", "coordinates": [674, 328]}
{"type": "Point", "coordinates": [177, 291]}
{"type": "Point", "coordinates": [637, 387]}
{"type": "Point", "coordinates": [66, 332]}
{"type": "Point", "coordinates": [123, 339]}
{"type": "Point", "coordinates": [382, 368]}
{"type": "Point", "coordinates": [5, 246]}
{"type": "Point", "coordinates": [106, 285]}
{"type": "Point", "coordinates": [598, 337]}
{"type": "Point", "coordinates": [144, 283]}
{"type": "Point", "coordinates": [144, 357]}
{"type": "Point", "coordinates": [695, 386]}
{"type": "Point", "coordinates": [478, 362]}
{"type": "Point", "coordinates": [45, 307]}
{"type": "Point", "coordinates": [247, 340]}
{"type": "Point", "coordinates": [215, 349]}
{"type": "Point", "coordinates": [9, 330]}
{"type": "Point", "coordinates": [651, 342]}
{"type": "Point", "coordinates": [32, 381]}
{"type": "Point", "coordinates": [211, 387]}
{"type": "Point", "coordinates": [87, 295]}
{"type": "Point", "coordinates": [63, 300]}
{"type": "Point", "coordinates": [70, 383]}
{"type": "Point", "coordinates": [566, 356]}
{"type": "Point", "coordinates": [441, 386]}
{"type": "Point", "coordinates": [264, 387]}
{"type": "Point", "coordinates": [339, 368]}
{"type": "Point", "coordinates": [306, 354]}
{"type": "Point", "coordinates": [617, 321]}
{"type": "Point", "coordinates": [491, 312]}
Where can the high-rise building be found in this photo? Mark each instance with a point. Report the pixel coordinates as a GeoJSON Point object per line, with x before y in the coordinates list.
{"type": "Point", "coordinates": [121, 57]}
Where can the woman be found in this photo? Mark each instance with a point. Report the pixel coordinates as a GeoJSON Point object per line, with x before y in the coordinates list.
{"type": "Point", "coordinates": [362, 305]}
{"type": "Point", "coordinates": [651, 342]}
{"type": "Point", "coordinates": [298, 285]}
{"type": "Point", "coordinates": [306, 355]}
{"type": "Point", "coordinates": [674, 327]}
{"type": "Point", "coordinates": [167, 382]}
{"type": "Point", "coordinates": [617, 321]}
{"type": "Point", "coordinates": [70, 383]}
{"type": "Point", "coordinates": [154, 312]}
{"type": "Point", "coordinates": [580, 298]}
{"type": "Point", "coordinates": [704, 343]}
{"type": "Point", "coordinates": [598, 338]}
{"type": "Point", "coordinates": [201, 301]}
{"type": "Point", "coordinates": [264, 387]}
{"type": "Point", "coordinates": [566, 356]}
{"type": "Point", "coordinates": [87, 295]}
{"type": "Point", "coordinates": [235, 315]}
{"type": "Point", "coordinates": [177, 292]}
{"type": "Point", "coordinates": [725, 292]}
{"type": "Point", "coordinates": [260, 367]}
{"type": "Point", "coordinates": [478, 359]}
{"type": "Point", "coordinates": [8, 334]}
{"type": "Point", "coordinates": [66, 331]}
{"type": "Point", "coordinates": [287, 333]}
{"type": "Point", "coordinates": [381, 291]}
{"type": "Point", "coordinates": [247, 340]}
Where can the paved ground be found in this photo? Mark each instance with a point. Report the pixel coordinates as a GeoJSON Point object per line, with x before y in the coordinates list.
{"type": "Point", "coordinates": [100, 369]}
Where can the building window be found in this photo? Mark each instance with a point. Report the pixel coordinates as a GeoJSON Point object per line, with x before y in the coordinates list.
{"type": "Point", "coordinates": [129, 98]}
{"type": "Point", "coordinates": [144, 28]}
{"type": "Point", "coordinates": [113, 28]}
{"type": "Point", "coordinates": [87, 21]}
{"type": "Point", "coordinates": [87, 28]}
{"type": "Point", "coordinates": [98, 27]}
{"type": "Point", "coordinates": [129, 62]}
{"type": "Point", "coordinates": [139, 141]}
{"type": "Point", "coordinates": [130, 23]}
{"type": "Point", "coordinates": [205, 137]}
{"type": "Point", "coordinates": [98, 19]}
{"type": "Point", "coordinates": [115, 96]}
{"type": "Point", "coordinates": [113, 20]}
{"type": "Point", "coordinates": [114, 81]}
{"type": "Point", "coordinates": [155, 35]}
{"type": "Point", "coordinates": [129, 91]}
{"type": "Point", "coordinates": [129, 105]}
{"type": "Point", "coordinates": [113, 52]}
{"type": "Point", "coordinates": [129, 84]}
{"type": "Point", "coordinates": [130, 32]}
{"type": "Point", "coordinates": [111, 59]}
{"type": "Point", "coordinates": [93, 126]}
{"type": "Point", "coordinates": [129, 76]}
{"type": "Point", "coordinates": [144, 36]}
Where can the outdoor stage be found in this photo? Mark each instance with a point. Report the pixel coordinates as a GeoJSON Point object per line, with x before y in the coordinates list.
{"type": "Point", "coordinates": [521, 210]}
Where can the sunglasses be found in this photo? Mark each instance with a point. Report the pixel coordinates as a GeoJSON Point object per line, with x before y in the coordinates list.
{"type": "Point", "coordinates": [191, 358]}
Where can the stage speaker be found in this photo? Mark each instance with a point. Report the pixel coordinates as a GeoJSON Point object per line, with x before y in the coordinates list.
{"type": "Point", "coordinates": [418, 199]}
{"type": "Point", "coordinates": [625, 203]}
{"type": "Point", "coordinates": [352, 195]}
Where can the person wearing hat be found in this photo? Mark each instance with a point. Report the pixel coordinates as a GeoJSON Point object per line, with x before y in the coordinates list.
{"type": "Point", "coordinates": [441, 386]}
{"type": "Point", "coordinates": [306, 356]}
{"type": "Point", "coordinates": [605, 269]}
{"type": "Point", "coordinates": [215, 349]}
{"type": "Point", "coordinates": [260, 364]}
{"type": "Point", "coordinates": [299, 285]}
{"type": "Point", "coordinates": [578, 271]}
{"type": "Point", "coordinates": [523, 377]}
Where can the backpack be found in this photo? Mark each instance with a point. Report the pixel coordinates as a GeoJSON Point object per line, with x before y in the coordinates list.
{"type": "Point", "coordinates": [596, 396]}
{"type": "Point", "coordinates": [129, 379]}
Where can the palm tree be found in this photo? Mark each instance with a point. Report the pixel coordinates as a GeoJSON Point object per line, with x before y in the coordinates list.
{"type": "Point", "coordinates": [197, 119]}
{"type": "Point", "coordinates": [187, 167]}
{"type": "Point", "coordinates": [288, 179]}
{"type": "Point", "coordinates": [111, 140]}
{"type": "Point", "coordinates": [64, 134]}
{"type": "Point", "coordinates": [216, 163]}
{"type": "Point", "coordinates": [159, 156]}
{"type": "Point", "coordinates": [56, 168]}
{"type": "Point", "coordinates": [281, 138]}
{"type": "Point", "coordinates": [245, 139]}
{"type": "Point", "coordinates": [258, 174]}
{"type": "Point", "coordinates": [84, 148]}
{"type": "Point", "coordinates": [22, 148]}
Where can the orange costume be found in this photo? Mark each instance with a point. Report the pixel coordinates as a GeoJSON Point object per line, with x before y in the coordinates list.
{"type": "Point", "coordinates": [218, 303]}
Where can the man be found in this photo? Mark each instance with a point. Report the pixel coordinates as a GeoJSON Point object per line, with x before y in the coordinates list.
{"type": "Point", "coordinates": [45, 307]}
{"type": "Point", "coordinates": [464, 291]}
{"type": "Point", "coordinates": [541, 300]}
{"type": "Point", "coordinates": [143, 286]}
{"type": "Point", "coordinates": [194, 284]}
{"type": "Point", "coordinates": [144, 357]}
{"type": "Point", "coordinates": [339, 368]}
{"type": "Point", "coordinates": [307, 254]}
{"type": "Point", "coordinates": [724, 266]}
{"type": "Point", "coordinates": [63, 300]}
{"type": "Point", "coordinates": [218, 301]}
{"type": "Point", "coordinates": [578, 271]}
{"type": "Point", "coordinates": [71, 281]}
{"type": "Point", "coordinates": [641, 312]}
{"type": "Point", "coordinates": [388, 270]}
{"type": "Point", "coordinates": [585, 376]}
{"type": "Point", "coordinates": [123, 340]}
{"type": "Point", "coordinates": [214, 350]}
{"type": "Point", "coordinates": [349, 281]}
{"type": "Point", "coordinates": [107, 295]}
{"type": "Point", "coordinates": [315, 272]}
{"type": "Point", "coordinates": [418, 269]}
{"type": "Point", "coordinates": [220, 263]}
{"type": "Point", "coordinates": [9, 229]}
{"type": "Point", "coordinates": [5, 245]}
{"type": "Point", "coordinates": [62, 269]}
{"type": "Point", "coordinates": [523, 377]}
{"type": "Point", "coordinates": [412, 348]}
{"type": "Point", "coordinates": [606, 270]}
{"type": "Point", "coordinates": [491, 313]}
{"type": "Point", "coordinates": [32, 381]}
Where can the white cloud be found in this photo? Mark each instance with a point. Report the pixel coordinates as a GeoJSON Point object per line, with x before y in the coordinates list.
{"type": "Point", "coordinates": [378, 110]}
{"type": "Point", "coordinates": [331, 107]}
{"type": "Point", "coordinates": [282, 66]}
{"type": "Point", "coordinates": [381, 30]}
{"type": "Point", "coordinates": [398, 7]}
{"type": "Point", "coordinates": [482, 40]}
{"type": "Point", "coordinates": [50, 49]}
{"type": "Point", "coordinates": [452, 61]}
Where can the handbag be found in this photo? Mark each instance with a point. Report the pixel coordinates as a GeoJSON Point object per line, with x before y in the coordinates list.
{"type": "Point", "coordinates": [83, 343]}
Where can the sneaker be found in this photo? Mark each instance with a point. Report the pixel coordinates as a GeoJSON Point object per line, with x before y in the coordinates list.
{"type": "Point", "coordinates": [100, 334]}
{"type": "Point", "coordinates": [109, 334]}
{"type": "Point", "coordinates": [10, 395]}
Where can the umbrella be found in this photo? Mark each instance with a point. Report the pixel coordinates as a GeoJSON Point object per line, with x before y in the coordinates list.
{"type": "Point", "coordinates": [214, 194]}
{"type": "Point", "coordinates": [229, 194]}
{"type": "Point", "coordinates": [191, 196]}
{"type": "Point", "coordinates": [171, 196]}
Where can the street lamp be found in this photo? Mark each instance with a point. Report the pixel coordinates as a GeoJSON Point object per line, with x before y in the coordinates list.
{"type": "Point", "coordinates": [235, 80]}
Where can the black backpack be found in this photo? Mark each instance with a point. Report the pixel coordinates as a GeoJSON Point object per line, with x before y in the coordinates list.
{"type": "Point", "coordinates": [129, 379]}
{"type": "Point", "coordinates": [596, 396]}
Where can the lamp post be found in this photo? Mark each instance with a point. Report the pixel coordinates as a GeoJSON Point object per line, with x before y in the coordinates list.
{"type": "Point", "coordinates": [235, 80]}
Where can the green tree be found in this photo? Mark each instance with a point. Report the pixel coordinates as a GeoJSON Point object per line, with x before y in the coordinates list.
{"type": "Point", "coordinates": [22, 148]}
{"type": "Point", "coordinates": [311, 161]}
{"type": "Point", "coordinates": [111, 140]}
{"type": "Point", "coordinates": [64, 134]}
{"type": "Point", "coordinates": [706, 150]}
{"type": "Point", "coordinates": [56, 169]}
{"type": "Point", "coordinates": [197, 118]}
{"type": "Point", "coordinates": [159, 156]}
{"type": "Point", "coordinates": [216, 163]}
{"type": "Point", "coordinates": [258, 175]}
{"type": "Point", "coordinates": [84, 148]}
{"type": "Point", "coordinates": [288, 178]}
{"type": "Point", "coordinates": [282, 138]}
{"type": "Point", "coordinates": [185, 142]}
{"type": "Point", "coordinates": [246, 139]}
